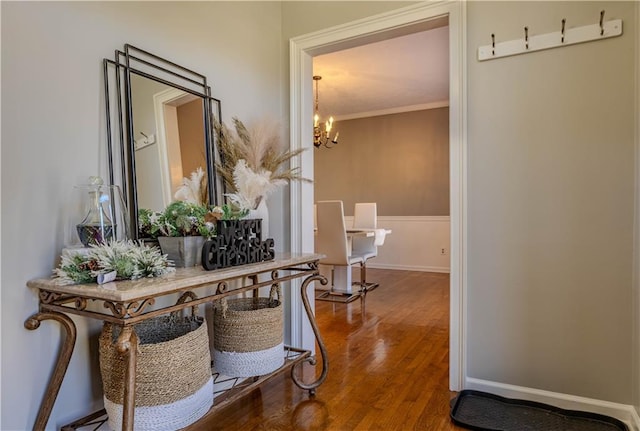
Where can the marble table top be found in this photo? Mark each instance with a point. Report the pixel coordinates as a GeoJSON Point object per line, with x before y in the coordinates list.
{"type": "Point", "coordinates": [182, 278]}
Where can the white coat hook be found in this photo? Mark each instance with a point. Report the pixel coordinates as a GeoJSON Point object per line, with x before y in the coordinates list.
{"type": "Point", "coordinates": [146, 140]}
{"type": "Point", "coordinates": [537, 42]}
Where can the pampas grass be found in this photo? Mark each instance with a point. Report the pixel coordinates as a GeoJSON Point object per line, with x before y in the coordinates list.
{"type": "Point", "coordinates": [193, 189]}
{"type": "Point", "coordinates": [260, 146]}
{"type": "Point", "coordinates": [251, 186]}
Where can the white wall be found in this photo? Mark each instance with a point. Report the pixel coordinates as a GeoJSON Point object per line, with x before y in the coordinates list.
{"type": "Point", "coordinates": [53, 136]}
{"type": "Point", "coordinates": [415, 243]}
{"type": "Point", "coordinates": [148, 186]}
{"type": "Point", "coordinates": [551, 203]}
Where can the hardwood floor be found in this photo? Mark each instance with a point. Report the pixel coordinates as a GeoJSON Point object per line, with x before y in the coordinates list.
{"type": "Point", "coordinates": [388, 366]}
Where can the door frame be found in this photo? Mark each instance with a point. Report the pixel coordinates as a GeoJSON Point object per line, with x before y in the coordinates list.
{"type": "Point", "coordinates": [379, 27]}
{"type": "Point", "coordinates": [172, 97]}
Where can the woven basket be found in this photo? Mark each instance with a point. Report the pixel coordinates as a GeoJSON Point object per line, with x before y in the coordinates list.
{"type": "Point", "coordinates": [174, 386]}
{"type": "Point", "coordinates": [248, 336]}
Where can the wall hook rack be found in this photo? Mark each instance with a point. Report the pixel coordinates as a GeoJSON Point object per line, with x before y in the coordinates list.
{"type": "Point", "coordinates": [145, 141]}
{"type": "Point", "coordinates": [564, 37]}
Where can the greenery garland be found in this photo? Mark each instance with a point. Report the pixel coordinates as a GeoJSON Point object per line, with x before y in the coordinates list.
{"type": "Point", "coordinates": [129, 259]}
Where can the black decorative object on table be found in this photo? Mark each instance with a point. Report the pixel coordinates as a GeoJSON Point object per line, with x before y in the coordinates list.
{"type": "Point", "coordinates": [237, 242]}
{"type": "Point", "coordinates": [482, 411]}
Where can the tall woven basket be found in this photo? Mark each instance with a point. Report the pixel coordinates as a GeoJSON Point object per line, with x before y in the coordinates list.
{"type": "Point", "coordinates": [248, 336]}
{"type": "Point", "coordinates": [174, 385]}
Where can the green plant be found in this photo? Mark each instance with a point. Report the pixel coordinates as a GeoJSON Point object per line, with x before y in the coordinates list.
{"type": "Point", "coordinates": [128, 259]}
{"type": "Point", "coordinates": [232, 212]}
{"type": "Point", "coordinates": [183, 218]}
{"type": "Point", "coordinates": [148, 223]}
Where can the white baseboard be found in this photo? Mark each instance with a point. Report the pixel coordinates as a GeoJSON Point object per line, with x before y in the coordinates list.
{"type": "Point", "coordinates": [625, 413]}
{"type": "Point", "coordinates": [635, 419]}
{"type": "Point", "coordinates": [409, 267]}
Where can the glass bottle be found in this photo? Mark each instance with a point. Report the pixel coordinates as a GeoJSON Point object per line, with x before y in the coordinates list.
{"type": "Point", "coordinates": [96, 227]}
{"type": "Point", "coordinates": [96, 213]}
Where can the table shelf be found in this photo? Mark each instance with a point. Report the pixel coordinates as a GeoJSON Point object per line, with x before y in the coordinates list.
{"type": "Point", "coordinates": [233, 388]}
{"type": "Point", "coordinates": [128, 302]}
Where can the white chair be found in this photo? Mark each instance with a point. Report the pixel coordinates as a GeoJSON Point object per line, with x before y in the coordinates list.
{"type": "Point", "coordinates": [331, 240]}
{"type": "Point", "coordinates": [365, 216]}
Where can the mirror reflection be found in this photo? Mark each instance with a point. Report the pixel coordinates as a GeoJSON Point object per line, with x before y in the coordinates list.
{"type": "Point", "coordinates": [170, 142]}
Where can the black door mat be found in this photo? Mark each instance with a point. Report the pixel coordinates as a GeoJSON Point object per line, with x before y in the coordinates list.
{"type": "Point", "coordinates": [477, 410]}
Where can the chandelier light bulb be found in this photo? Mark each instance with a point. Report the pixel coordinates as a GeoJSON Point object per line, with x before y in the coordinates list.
{"type": "Point", "coordinates": [322, 138]}
{"type": "Point", "coordinates": [329, 124]}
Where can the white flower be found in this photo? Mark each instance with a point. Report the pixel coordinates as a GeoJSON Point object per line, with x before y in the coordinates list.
{"type": "Point", "coordinates": [251, 186]}
{"type": "Point", "coordinates": [190, 190]}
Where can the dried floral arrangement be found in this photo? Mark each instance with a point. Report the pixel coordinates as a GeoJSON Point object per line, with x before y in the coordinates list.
{"type": "Point", "coordinates": [128, 259]}
{"type": "Point", "coordinates": [253, 161]}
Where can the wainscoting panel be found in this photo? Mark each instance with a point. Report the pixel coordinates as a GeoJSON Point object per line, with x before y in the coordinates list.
{"type": "Point", "coordinates": [415, 244]}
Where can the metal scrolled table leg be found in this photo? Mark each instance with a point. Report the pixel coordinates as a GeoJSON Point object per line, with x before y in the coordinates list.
{"type": "Point", "coordinates": [62, 362]}
{"type": "Point", "coordinates": [311, 387]}
{"type": "Point", "coordinates": [127, 345]}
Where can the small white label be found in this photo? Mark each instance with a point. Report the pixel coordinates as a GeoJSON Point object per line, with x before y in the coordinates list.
{"type": "Point", "coordinates": [106, 278]}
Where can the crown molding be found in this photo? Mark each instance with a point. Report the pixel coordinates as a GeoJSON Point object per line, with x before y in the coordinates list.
{"type": "Point", "coordinates": [396, 110]}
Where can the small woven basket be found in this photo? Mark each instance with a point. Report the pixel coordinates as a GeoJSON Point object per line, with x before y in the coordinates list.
{"type": "Point", "coordinates": [248, 336]}
{"type": "Point", "coordinates": [174, 385]}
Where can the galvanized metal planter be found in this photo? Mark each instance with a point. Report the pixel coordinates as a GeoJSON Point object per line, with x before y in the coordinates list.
{"type": "Point", "coordinates": [184, 251]}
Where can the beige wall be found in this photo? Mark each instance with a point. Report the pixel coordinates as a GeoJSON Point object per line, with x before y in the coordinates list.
{"type": "Point", "coordinates": [191, 127]}
{"type": "Point", "coordinates": [400, 161]}
{"type": "Point", "coordinates": [551, 203]}
{"type": "Point", "coordinates": [302, 17]}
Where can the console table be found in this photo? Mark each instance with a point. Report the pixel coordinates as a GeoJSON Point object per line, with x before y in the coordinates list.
{"type": "Point", "coordinates": [126, 303]}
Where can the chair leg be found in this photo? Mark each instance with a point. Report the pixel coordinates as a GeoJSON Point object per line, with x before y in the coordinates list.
{"type": "Point", "coordinates": [364, 285]}
{"type": "Point", "coordinates": [335, 296]}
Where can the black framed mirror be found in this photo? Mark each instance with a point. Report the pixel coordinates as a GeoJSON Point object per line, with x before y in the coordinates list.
{"type": "Point", "coordinates": [159, 120]}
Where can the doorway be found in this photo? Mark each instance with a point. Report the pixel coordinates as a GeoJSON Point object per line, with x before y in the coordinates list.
{"type": "Point", "coordinates": [179, 118]}
{"type": "Point", "coordinates": [390, 104]}
{"type": "Point", "coordinates": [302, 50]}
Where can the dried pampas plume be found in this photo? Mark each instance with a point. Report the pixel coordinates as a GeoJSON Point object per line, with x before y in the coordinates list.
{"type": "Point", "coordinates": [251, 186]}
{"type": "Point", "coordinates": [193, 189]}
{"type": "Point", "coordinates": [260, 146]}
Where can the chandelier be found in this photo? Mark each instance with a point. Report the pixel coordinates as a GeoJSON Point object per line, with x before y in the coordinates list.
{"type": "Point", "coordinates": [322, 131]}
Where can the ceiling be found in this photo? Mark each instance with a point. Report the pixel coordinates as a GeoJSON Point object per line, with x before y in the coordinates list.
{"type": "Point", "coordinates": [385, 76]}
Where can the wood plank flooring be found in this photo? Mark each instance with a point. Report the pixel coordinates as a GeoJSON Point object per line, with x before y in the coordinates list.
{"type": "Point", "coordinates": [388, 366]}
